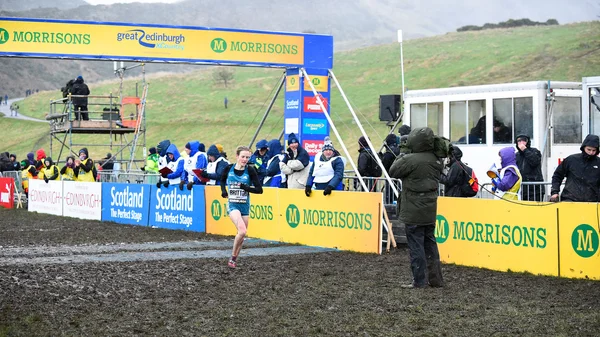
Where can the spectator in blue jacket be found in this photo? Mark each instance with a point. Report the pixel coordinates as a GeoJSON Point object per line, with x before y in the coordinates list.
{"type": "Point", "coordinates": [260, 158]}
{"type": "Point", "coordinates": [274, 176]}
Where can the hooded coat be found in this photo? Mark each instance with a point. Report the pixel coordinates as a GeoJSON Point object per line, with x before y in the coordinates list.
{"type": "Point", "coordinates": [260, 161]}
{"type": "Point", "coordinates": [582, 172]}
{"type": "Point", "coordinates": [276, 155]}
{"type": "Point", "coordinates": [176, 165]}
{"type": "Point", "coordinates": [31, 158]}
{"type": "Point", "coordinates": [529, 162]}
{"type": "Point", "coordinates": [196, 160]}
{"type": "Point", "coordinates": [509, 174]}
{"type": "Point", "coordinates": [50, 171]}
{"type": "Point", "coordinates": [456, 177]}
{"type": "Point", "coordinates": [67, 172]}
{"type": "Point", "coordinates": [163, 159]}
{"type": "Point", "coordinates": [5, 164]}
{"type": "Point", "coordinates": [392, 151]}
{"type": "Point", "coordinates": [420, 172]}
{"type": "Point", "coordinates": [80, 88]}
{"type": "Point", "coordinates": [85, 170]}
{"type": "Point", "coordinates": [40, 155]}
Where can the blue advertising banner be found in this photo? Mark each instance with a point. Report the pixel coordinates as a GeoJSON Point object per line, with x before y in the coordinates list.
{"type": "Point", "coordinates": [175, 209]}
{"type": "Point", "coordinates": [315, 126]}
{"type": "Point", "coordinates": [126, 203]}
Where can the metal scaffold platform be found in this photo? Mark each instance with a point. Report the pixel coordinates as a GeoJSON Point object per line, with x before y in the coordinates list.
{"type": "Point", "coordinates": [122, 118]}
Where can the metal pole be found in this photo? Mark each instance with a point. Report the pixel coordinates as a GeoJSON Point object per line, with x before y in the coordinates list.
{"type": "Point", "coordinates": [335, 131]}
{"type": "Point", "coordinates": [375, 156]}
{"type": "Point", "coordinates": [401, 63]}
{"type": "Point", "coordinates": [360, 178]}
{"type": "Point", "coordinates": [281, 82]}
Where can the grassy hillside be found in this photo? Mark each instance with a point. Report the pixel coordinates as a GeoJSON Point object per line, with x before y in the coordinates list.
{"type": "Point", "coordinates": [186, 107]}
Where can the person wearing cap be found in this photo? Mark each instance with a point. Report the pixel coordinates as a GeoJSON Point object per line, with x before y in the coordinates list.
{"type": "Point", "coordinates": [327, 171]}
{"type": "Point", "coordinates": [582, 171]}
{"type": "Point", "coordinates": [196, 160]}
{"type": "Point", "coordinates": [220, 148]}
{"type": "Point", "coordinates": [216, 166]}
{"type": "Point", "coordinates": [260, 157]}
{"type": "Point", "coordinates": [403, 132]}
{"type": "Point", "coordinates": [28, 172]}
{"type": "Point", "coordinates": [80, 91]}
{"type": "Point", "coordinates": [84, 167]}
{"type": "Point", "coordinates": [529, 162]}
{"type": "Point", "coordinates": [295, 164]}
{"type": "Point", "coordinates": [152, 161]}
{"type": "Point", "coordinates": [16, 166]}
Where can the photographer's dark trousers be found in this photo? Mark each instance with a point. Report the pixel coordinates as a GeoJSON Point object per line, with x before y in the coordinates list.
{"type": "Point", "coordinates": [81, 112]}
{"type": "Point", "coordinates": [424, 256]}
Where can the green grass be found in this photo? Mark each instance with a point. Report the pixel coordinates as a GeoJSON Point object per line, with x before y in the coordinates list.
{"type": "Point", "coordinates": [190, 106]}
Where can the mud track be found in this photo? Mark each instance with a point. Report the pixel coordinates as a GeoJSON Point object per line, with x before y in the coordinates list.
{"type": "Point", "coordinates": [70, 277]}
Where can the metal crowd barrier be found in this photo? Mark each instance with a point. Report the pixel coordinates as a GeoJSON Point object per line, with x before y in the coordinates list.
{"type": "Point", "coordinates": [352, 183]}
{"type": "Point", "coordinates": [531, 191]}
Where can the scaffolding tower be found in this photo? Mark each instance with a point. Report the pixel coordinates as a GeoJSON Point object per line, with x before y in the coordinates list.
{"type": "Point", "coordinates": [122, 118]}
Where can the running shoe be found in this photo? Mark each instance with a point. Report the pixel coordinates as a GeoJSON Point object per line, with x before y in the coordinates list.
{"type": "Point", "coordinates": [231, 264]}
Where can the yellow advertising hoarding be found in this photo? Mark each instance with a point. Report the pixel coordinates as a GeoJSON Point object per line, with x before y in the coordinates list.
{"type": "Point", "coordinates": [498, 235]}
{"type": "Point", "coordinates": [343, 220]}
{"type": "Point", "coordinates": [217, 219]}
{"type": "Point", "coordinates": [149, 42]}
{"type": "Point", "coordinates": [292, 83]}
{"type": "Point", "coordinates": [321, 83]}
{"type": "Point", "coordinates": [579, 234]}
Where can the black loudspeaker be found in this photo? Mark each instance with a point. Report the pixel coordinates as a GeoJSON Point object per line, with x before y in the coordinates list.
{"type": "Point", "coordinates": [389, 107]}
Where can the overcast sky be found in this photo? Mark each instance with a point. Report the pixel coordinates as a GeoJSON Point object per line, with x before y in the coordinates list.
{"type": "Point", "coordinates": [108, 2]}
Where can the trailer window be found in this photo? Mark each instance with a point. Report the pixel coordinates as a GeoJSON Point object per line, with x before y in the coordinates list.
{"type": "Point", "coordinates": [427, 114]}
{"type": "Point", "coordinates": [512, 116]}
{"type": "Point", "coordinates": [566, 120]}
{"type": "Point", "coordinates": [595, 110]}
{"type": "Point", "coordinates": [467, 122]}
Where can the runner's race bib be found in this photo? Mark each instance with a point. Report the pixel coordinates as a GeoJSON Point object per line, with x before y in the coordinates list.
{"type": "Point", "coordinates": [237, 195]}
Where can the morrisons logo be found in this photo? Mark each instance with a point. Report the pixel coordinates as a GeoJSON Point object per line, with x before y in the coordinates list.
{"type": "Point", "coordinates": [4, 36]}
{"type": "Point", "coordinates": [325, 218]}
{"type": "Point", "coordinates": [585, 240]}
{"type": "Point", "coordinates": [216, 211]}
{"type": "Point", "coordinates": [219, 45]}
{"type": "Point", "coordinates": [518, 236]}
{"type": "Point", "coordinates": [46, 37]}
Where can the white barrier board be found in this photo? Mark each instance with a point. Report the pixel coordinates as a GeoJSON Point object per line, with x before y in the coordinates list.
{"type": "Point", "coordinates": [45, 197]}
{"type": "Point", "coordinates": [82, 200]}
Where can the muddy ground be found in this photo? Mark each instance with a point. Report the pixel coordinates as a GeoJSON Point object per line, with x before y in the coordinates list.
{"type": "Point", "coordinates": [316, 294]}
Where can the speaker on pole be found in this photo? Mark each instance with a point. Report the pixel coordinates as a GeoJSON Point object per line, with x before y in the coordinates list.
{"type": "Point", "coordinates": [389, 108]}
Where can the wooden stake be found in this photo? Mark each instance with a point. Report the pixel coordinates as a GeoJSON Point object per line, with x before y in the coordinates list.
{"type": "Point", "coordinates": [391, 240]}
